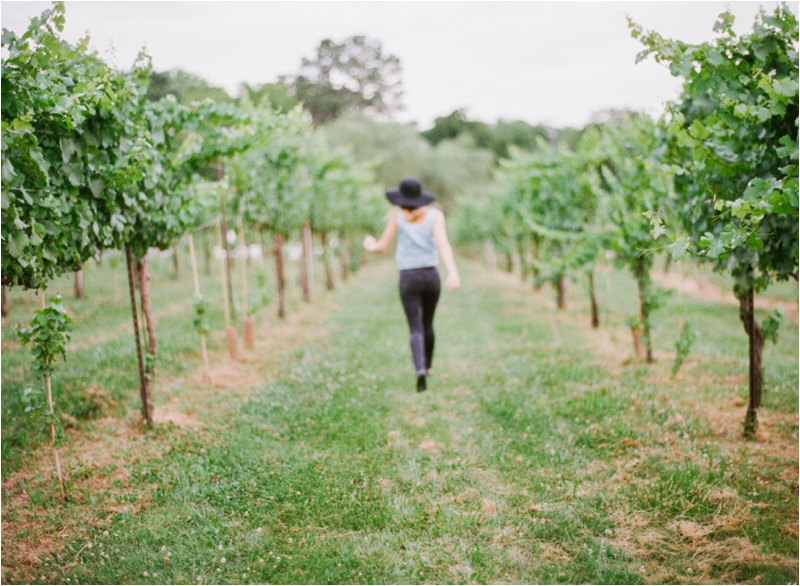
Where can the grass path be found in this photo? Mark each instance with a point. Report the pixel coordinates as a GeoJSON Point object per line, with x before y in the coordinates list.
{"type": "Point", "coordinates": [540, 454]}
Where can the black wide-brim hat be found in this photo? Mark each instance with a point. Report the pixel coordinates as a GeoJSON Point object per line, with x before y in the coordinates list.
{"type": "Point", "coordinates": [409, 195]}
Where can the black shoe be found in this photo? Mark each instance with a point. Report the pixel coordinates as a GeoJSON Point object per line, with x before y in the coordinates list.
{"type": "Point", "coordinates": [421, 383]}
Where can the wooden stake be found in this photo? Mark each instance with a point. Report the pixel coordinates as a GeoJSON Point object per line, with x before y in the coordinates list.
{"type": "Point", "coordinates": [233, 347]}
{"type": "Point", "coordinates": [229, 257]}
{"type": "Point", "coordinates": [308, 263]}
{"type": "Point", "coordinates": [53, 432]}
{"type": "Point", "coordinates": [203, 348]}
{"type": "Point", "coordinates": [5, 301]}
{"type": "Point", "coordinates": [79, 283]}
{"type": "Point", "coordinates": [280, 283]}
{"type": "Point", "coordinates": [243, 248]}
{"type": "Point", "coordinates": [224, 281]}
{"type": "Point", "coordinates": [248, 321]}
{"type": "Point", "coordinates": [49, 391]}
{"type": "Point", "coordinates": [637, 342]}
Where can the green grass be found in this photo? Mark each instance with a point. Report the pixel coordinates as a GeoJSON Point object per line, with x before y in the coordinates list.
{"type": "Point", "coordinates": [542, 453]}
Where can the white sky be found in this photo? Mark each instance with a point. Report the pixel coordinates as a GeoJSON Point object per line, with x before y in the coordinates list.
{"type": "Point", "coordinates": [542, 62]}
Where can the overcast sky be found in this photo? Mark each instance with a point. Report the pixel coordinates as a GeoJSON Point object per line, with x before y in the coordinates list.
{"type": "Point", "coordinates": [542, 62]}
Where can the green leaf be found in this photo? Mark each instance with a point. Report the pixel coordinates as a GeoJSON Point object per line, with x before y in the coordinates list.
{"type": "Point", "coordinates": [763, 114]}
{"type": "Point", "coordinates": [67, 148]}
{"type": "Point", "coordinates": [789, 148]}
{"type": "Point", "coordinates": [725, 22]}
{"type": "Point", "coordinates": [43, 165]}
{"type": "Point", "coordinates": [678, 248]}
{"type": "Point", "coordinates": [772, 324]}
{"type": "Point", "coordinates": [97, 185]}
{"type": "Point", "coordinates": [658, 231]}
{"type": "Point", "coordinates": [715, 57]}
{"type": "Point", "coordinates": [36, 234]}
{"type": "Point", "coordinates": [17, 243]}
{"type": "Point", "coordinates": [706, 240]}
{"type": "Point", "coordinates": [8, 169]}
{"type": "Point", "coordinates": [715, 250]}
{"type": "Point", "coordinates": [755, 242]}
{"type": "Point", "coordinates": [785, 87]}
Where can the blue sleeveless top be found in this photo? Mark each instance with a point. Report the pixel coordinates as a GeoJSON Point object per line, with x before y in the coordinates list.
{"type": "Point", "coordinates": [416, 246]}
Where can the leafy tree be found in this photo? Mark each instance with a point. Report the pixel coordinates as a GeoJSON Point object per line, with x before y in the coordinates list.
{"type": "Point", "coordinates": [89, 163]}
{"type": "Point", "coordinates": [629, 156]}
{"type": "Point", "coordinates": [550, 199]}
{"type": "Point", "coordinates": [498, 140]}
{"type": "Point", "coordinates": [734, 143]}
{"type": "Point", "coordinates": [452, 169]}
{"type": "Point", "coordinates": [393, 150]}
{"type": "Point", "coordinates": [456, 169]}
{"type": "Point", "coordinates": [67, 150]}
{"type": "Point", "coordinates": [268, 179]}
{"type": "Point", "coordinates": [186, 87]}
{"type": "Point", "coordinates": [338, 200]}
{"type": "Point", "coordinates": [456, 124]}
{"type": "Point", "coordinates": [516, 133]}
{"type": "Point", "coordinates": [352, 75]}
{"type": "Point", "coordinates": [276, 93]}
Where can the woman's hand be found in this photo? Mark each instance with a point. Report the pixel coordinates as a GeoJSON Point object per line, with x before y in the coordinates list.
{"type": "Point", "coordinates": [370, 243]}
{"type": "Point", "coordinates": [452, 282]}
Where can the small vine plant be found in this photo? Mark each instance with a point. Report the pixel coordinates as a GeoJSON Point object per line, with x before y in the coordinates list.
{"type": "Point", "coordinates": [200, 320]}
{"type": "Point", "coordinates": [48, 334]}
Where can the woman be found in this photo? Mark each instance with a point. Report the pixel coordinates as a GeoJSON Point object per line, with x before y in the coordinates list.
{"type": "Point", "coordinates": [421, 229]}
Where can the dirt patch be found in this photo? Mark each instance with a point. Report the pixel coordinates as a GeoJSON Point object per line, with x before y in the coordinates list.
{"type": "Point", "coordinates": [723, 561]}
{"type": "Point", "coordinates": [98, 465]}
{"type": "Point", "coordinates": [11, 344]}
{"type": "Point", "coordinates": [488, 508]}
{"type": "Point", "coordinates": [429, 446]}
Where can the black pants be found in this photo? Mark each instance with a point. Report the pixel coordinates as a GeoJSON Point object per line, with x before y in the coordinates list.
{"type": "Point", "coordinates": [419, 292]}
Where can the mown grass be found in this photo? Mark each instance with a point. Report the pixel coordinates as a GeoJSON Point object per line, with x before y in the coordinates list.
{"type": "Point", "coordinates": [542, 453]}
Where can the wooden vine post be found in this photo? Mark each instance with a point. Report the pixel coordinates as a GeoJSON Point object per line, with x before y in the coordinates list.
{"type": "Point", "coordinates": [344, 257]}
{"type": "Point", "coordinates": [264, 261]}
{"type": "Point", "coordinates": [593, 300]}
{"type": "Point", "coordinates": [280, 278]}
{"type": "Point", "coordinates": [79, 283]}
{"type": "Point", "coordinates": [636, 332]}
{"type": "Point", "coordinates": [233, 347]}
{"type": "Point", "coordinates": [561, 292]}
{"type": "Point", "coordinates": [327, 260]}
{"type": "Point", "coordinates": [198, 296]}
{"type": "Point", "coordinates": [308, 263]}
{"type": "Point", "coordinates": [249, 320]}
{"type": "Point", "coordinates": [226, 244]}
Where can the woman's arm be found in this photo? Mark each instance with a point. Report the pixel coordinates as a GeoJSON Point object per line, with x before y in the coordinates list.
{"type": "Point", "coordinates": [453, 281]}
{"type": "Point", "coordinates": [382, 245]}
